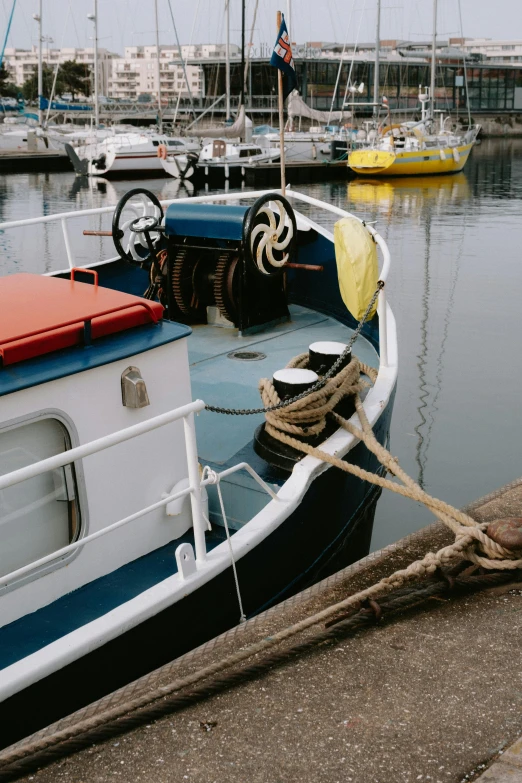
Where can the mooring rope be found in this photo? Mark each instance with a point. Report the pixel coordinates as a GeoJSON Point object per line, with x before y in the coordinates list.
{"type": "Point", "coordinates": [308, 416]}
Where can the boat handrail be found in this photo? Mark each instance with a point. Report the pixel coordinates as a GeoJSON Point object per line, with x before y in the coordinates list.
{"type": "Point", "coordinates": [186, 413]}
{"type": "Point", "coordinates": [65, 217]}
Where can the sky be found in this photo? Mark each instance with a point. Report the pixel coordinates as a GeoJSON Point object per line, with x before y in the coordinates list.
{"type": "Point", "coordinates": [131, 22]}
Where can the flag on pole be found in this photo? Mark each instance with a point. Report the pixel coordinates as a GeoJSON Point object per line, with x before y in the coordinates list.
{"type": "Point", "coordinates": [282, 59]}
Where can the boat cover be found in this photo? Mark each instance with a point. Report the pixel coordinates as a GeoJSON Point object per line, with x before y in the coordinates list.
{"type": "Point", "coordinates": [44, 314]}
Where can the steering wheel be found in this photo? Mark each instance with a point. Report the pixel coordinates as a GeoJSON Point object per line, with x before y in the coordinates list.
{"type": "Point", "coordinates": [270, 235]}
{"type": "Point", "coordinates": [136, 226]}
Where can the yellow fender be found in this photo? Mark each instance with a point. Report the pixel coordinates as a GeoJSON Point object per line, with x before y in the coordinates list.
{"type": "Point", "coordinates": [357, 266]}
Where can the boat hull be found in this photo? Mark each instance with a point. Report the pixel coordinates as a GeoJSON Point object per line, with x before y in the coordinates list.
{"type": "Point", "coordinates": [330, 529]}
{"type": "Point", "coordinates": [400, 163]}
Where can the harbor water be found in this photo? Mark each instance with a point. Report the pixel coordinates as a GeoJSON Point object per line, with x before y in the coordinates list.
{"type": "Point", "coordinates": [455, 289]}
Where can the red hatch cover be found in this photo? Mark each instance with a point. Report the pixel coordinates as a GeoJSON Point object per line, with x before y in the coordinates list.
{"type": "Point", "coordinates": [39, 315]}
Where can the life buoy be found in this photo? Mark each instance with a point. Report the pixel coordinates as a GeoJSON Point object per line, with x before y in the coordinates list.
{"type": "Point", "coordinates": [162, 152]}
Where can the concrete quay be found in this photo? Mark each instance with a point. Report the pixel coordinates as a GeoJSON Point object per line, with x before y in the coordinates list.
{"type": "Point", "coordinates": [433, 694]}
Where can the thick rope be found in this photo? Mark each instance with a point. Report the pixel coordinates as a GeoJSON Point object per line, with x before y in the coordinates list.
{"type": "Point", "coordinates": [307, 417]}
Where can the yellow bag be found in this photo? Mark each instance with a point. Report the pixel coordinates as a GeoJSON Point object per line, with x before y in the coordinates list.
{"type": "Point", "coordinates": [357, 267]}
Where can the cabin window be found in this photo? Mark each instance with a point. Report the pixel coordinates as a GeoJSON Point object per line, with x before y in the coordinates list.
{"type": "Point", "coordinates": [41, 514]}
{"type": "Point", "coordinates": [175, 143]}
{"type": "Point", "coordinates": [155, 143]}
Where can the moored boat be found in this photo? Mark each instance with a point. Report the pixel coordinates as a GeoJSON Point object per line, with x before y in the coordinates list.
{"type": "Point", "coordinates": [133, 533]}
{"type": "Point", "coordinates": [125, 153]}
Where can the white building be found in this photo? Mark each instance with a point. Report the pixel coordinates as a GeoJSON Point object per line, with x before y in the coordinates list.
{"type": "Point", "coordinates": [136, 72]}
{"type": "Point", "coordinates": [495, 51]}
{"type": "Point", "coordinates": [22, 63]}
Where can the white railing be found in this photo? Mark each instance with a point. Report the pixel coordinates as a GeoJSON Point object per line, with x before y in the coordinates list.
{"type": "Point", "coordinates": [64, 217]}
{"type": "Point", "coordinates": [186, 412]}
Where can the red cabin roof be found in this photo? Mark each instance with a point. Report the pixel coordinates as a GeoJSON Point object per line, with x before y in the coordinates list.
{"type": "Point", "coordinates": [39, 315]}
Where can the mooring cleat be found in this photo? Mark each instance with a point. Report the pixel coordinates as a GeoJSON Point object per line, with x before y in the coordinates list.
{"type": "Point", "coordinates": [507, 532]}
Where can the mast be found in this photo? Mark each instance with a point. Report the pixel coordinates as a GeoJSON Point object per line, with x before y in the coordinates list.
{"type": "Point", "coordinates": [242, 99]}
{"type": "Point", "coordinates": [158, 68]}
{"type": "Point", "coordinates": [94, 18]}
{"type": "Point", "coordinates": [377, 61]}
{"type": "Point", "coordinates": [38, 18]}
{"type": "Point", "coordinates": [96, 81]}
{"type": "Point", "coordinates": [433, 61]}
{"type": "Point", "coordinates": [227, 72]}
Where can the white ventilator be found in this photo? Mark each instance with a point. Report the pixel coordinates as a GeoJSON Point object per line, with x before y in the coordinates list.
{"type": "Point", "coordinates": [271, 234]}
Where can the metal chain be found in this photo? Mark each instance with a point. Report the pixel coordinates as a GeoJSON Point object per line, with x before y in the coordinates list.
{"type": "Point", "coordinates": [320, 383]}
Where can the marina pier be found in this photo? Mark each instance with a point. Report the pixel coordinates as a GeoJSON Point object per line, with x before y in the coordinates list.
{"type": "Point", "coordinates": [425, 694]}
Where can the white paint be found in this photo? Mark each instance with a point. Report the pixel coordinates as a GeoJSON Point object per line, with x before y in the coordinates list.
{"type": "Point", "coordinates": [328, 348]}
{"type": "Point", "coordinates": [185, 560]}
{"type": "Point", "coordinates": [295, 376]}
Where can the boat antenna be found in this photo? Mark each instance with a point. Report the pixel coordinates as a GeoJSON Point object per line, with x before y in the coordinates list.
{"type": "Point", "coordinates": [433, 61]}
{"type": "Point", "coordinates": [376, 67]}
{"type": "Point", "coordinates": [158, 67]}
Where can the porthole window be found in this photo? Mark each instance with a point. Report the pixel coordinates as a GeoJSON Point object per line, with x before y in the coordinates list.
{"type": "Point", "coordinates": [41, 514]}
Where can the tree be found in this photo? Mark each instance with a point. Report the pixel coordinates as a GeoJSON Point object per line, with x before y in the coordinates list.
{"type": "Point", "coordinates": [30, 86]}
{"type": "Point", "coordinates": [7, 88]}
{"type": "Point", "coordinates": [74, 78]}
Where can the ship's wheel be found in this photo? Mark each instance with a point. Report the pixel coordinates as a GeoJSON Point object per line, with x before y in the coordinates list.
{"type": "Point", "coordinates": [136, 225]}
{"type": "Point", "coordinates": [270, 235]}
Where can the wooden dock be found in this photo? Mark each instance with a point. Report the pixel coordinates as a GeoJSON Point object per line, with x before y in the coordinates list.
{"type": "Point", "coordinates": [297, 172]}
{"type": "Point", "coordinates": [15, 161]}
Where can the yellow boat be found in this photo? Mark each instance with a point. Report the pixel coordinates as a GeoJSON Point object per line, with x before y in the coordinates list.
{"type": "Point", "coordinates": [414, 157]}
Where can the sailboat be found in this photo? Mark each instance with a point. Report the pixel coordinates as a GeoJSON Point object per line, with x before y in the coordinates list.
{"type": "Point", "coordinates": [413, 148]}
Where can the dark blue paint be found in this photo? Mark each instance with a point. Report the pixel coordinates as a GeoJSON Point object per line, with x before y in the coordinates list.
{"type": "Point", "coordinates": [104, 350]}
{"type": "Point", "coordinates": [34, 631]}
{"type": "Point", "coordinates": [212, 221]}
{"type": "Point", "coordinates": [320, 290]}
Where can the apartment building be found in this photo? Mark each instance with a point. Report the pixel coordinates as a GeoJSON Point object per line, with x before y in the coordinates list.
{"type": "Point", "coordinates": [22, 63]}
{"type": "Point", "coordinates": [136, 73]}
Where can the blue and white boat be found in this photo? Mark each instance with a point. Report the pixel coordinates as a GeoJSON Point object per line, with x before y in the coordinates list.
{"type": "Point", "coordinates": [134, 522]}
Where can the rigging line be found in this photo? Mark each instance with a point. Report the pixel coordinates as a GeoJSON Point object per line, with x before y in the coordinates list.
{"type": "Point", "coordinates": [183, 65]}
{"type": "Point", "coordinates": [354, 53]}
{"type": "Point", "coordinates": [341, 63]}
{"type": "Point", "coordinates": [7, 33]}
